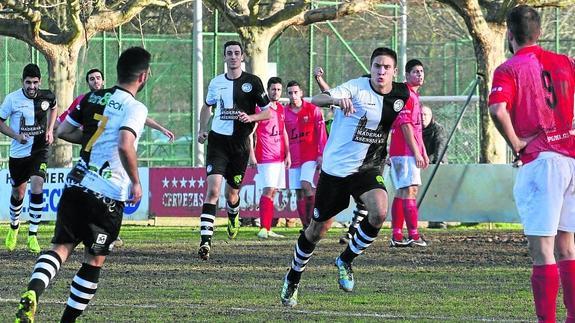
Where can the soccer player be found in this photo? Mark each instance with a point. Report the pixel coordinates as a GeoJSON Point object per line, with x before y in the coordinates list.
{"type": "Point", "coordinates": [108, 124]}
{"type": "Point", "coordinates": [359, 212]}
{"type": "Point", "coordinates": [531, 104]}
{"type": "Point", "coordinates": [352, 165]}
{"type": "Point", "coordinates": [31, 113]}
{"type": "Point", "coordinates": [307, 137]}
{"type": "Point", "coordinates": [95, 81]}
{"type": "Point", "coordinates": [272, 156]}
{"type": "Point", "coordinates": [235, 95]}
{"type": "Point", "coordinates": [407, 156]}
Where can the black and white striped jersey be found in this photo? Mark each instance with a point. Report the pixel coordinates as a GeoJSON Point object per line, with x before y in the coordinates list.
{"type": "Point", "coordinates": [359, 141]}
{"type": "Point", "coordinates": [102, 114]}
{"type": "Point", "coordinates": [230, 97]}
{"type": "Point", "coordinates": [28, 116]}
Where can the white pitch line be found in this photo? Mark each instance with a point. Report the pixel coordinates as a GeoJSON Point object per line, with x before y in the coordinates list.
{"type": "Point", "coordinates": [286, 311]}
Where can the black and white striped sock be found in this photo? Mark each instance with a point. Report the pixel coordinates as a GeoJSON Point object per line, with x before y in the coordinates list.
{"type": "Point", "coordinates": [82, 290]}
{"type": "Point", "coordinates": [362, 239]}
{"type": "Point", "coordinates": [359, 214]}
{"type": "Point", "coordinates": [233, 209]}
{"type": "Point", "coordinates": [36, 207]}
{"type": "Point", "coordinates": [207, 222]}
{"type": "Point", "coordinates": [15, 210]}
{"type": "Point", "coordinates": [46, 268]}
{"type": "Point", "coordinates": [302, 253]}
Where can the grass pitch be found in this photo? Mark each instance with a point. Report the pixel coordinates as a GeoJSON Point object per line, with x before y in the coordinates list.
{"type": "Point", "coordinates": [463, 276]}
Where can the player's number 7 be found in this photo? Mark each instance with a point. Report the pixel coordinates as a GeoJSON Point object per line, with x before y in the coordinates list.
{"type": "Point", "coordinates": [103, 120]}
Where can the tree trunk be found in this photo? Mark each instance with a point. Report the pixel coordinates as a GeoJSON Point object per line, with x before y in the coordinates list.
{"type": "Point", "coordinates": [490, 52]}
{"type": "Point", "coordinates": [62, 66]}
{"type": "Point", "coordinates": [257, 41]}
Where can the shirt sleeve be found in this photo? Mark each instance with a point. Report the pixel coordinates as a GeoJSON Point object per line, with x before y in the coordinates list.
{"type": "Point", "coordinates": [212, 96]}
{"type": "Point", "coordinates": [345, 90]}
{"type": "Point", "coordinates": [262, 99]}
{"type": "Point", "coordinates": [6, 108]}
{"type": "Point", "coordinates": [405, 115]}
{"type": "Point", "coordinates": [135, 119]}
{"type": "Point", "coordinates": [503, 88]}
{"type": "Point", "coordinates": [75, 104]}
{"type": "Point", "coordinates": [320, 130]}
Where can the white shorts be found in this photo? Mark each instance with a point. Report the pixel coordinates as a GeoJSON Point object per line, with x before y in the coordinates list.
{"type": "Point", "coordinates": [544, 194]}
{"type": "Point", "coordinates": [271, 175]}
{"type": "Point", "coordinates": [404, 172]}
{"type": "Point", "coordinates": [305, 172]}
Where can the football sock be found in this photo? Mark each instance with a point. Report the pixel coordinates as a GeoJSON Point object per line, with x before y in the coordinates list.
{"type": "Point", "coordinates": [567, 274]}
{"type": "Point", "coordinates": [233, 209]}
{"type": "Point", "coordinates": [397, 218]}
{"type": "Point", "coordinates": [302, 253]}
{"type": "Point", "coordinates": [15, 210]}
{"type": "Point", "coordinates": [358, 215]}
{"type": "Point", "coordinates": [411, 217]}
{"type": "Point", "coordinates": [82, 290]}
{"type": "Point", "coordinates": [207, 222]}
{"type": "Point", "coordinates": [545, 285]}
{"type": "Point", "coordinates": [36, 206]}
{"type": "Point", "coordinates": [266, 212]}
{"type": "Point", "coordinates": [362, 239]}
{"type": "Point", "coordinates": [46, 268]}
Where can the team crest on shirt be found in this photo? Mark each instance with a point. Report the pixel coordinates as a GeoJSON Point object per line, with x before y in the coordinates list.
{"type": "Point", "coordinates": [247, 87]}
{"type": "Point", "coordinates": [397, 105]}
{"type": "Point", "coordinates": [44, 105]}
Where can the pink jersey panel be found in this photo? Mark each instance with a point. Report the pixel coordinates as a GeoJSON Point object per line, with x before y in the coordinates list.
{"type": "Point", "coordinates": [270, 147]}
{"type": "Point", "coordinates": [72, 106]}
{"type": "Point", "coordinates": [306, 132]}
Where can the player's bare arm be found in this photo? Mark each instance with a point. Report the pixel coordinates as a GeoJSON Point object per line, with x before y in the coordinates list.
{"type": "Point", "coordinates": [502, 121]}
{"type": "Point", "coordinates": [129, 160]}
{"type": "Point", "coordinates": [247, 118]}
{"type": "Point", "coordinates": [21, 138]}
{"type": "Point", "coordinates": [409, 135]}
{"type": "Point", "coordinates": [157, 126]}
{"type": "Point", "coordinates": [287, 159]}
{"type": "Point", "coordinates": [52, 116]}
{"type": "Point", "coordinates": [318, 74]}
{"type": "Point", "coordinates": [69, 133]}
{"type": "Point", "coordinates": [324, 99]}
{"type": "Point", "coordinates": [205, 115]}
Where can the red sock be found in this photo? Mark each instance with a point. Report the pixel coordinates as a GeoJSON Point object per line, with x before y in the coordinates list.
{"type": "Point", "coordinates": [302, 212]}
{"type": "Point", "coordinates": [266, 212]}
{"type": "Point", "coordinates": [567, 274]}
{"type": "Point", "coordinates": [411, 216]}
{"type": "Point", "coordinates": [309, 204]}
{"type": "Point", "coordinates": [397, 217]}
{"type": "Point", "coordinates": [545, 284]}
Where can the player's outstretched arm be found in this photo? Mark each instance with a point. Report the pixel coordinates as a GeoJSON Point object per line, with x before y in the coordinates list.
{"type": "Point", "coordinates": [318, 75]}
{"type": "Point", "coordinates": [155, 125]}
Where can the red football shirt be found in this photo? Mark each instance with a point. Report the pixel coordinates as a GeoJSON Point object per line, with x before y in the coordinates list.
{"type": "Point", "coordinates": [306, 132]}
{"type": "Point", "coordinates": [410, 114]}
{"type": "Point", "coordinates": [538, 87]}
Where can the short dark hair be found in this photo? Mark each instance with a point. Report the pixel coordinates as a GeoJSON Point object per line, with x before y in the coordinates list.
{"type": "Point", "coordinates": [411, 64]}
{"type": "Point", "coordinates": [293, 83]}
{"type": "Point", "coordinates": [383, 51]}
{"type": "Point", "coordinates": [131, 63]}
{"type": "Point", "coordinates": [31, 70]}
{"type": "Point", "coordinates": [524, 23]}
{"type": "Point", "coordinates": [94, 70]}
{"type": "Point", "coordinates": [274, 80]}
{"type": "Point", "coordinates": [232, 43]}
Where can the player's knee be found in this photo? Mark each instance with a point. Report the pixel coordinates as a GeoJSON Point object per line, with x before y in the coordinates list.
{"type": "Point", "coordinates": [376, 218]}
{"type": "Point", "coordinates": [565, 252]}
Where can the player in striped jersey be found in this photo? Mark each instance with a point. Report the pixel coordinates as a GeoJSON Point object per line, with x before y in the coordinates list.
{"type": "Point", "coordinates": [107, 124]}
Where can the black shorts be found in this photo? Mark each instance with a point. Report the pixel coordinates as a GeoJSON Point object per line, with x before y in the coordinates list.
{"type": "Point", "coordinates": [227, 156]}
{"type": "Point", "coordinates": [88, 217]}
{"type": "Point", "coordinates": [22, 168]}
{"type": "Point", "coordinates": [332, 194]}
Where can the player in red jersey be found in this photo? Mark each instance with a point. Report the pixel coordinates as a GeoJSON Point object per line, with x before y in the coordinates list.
{"type": "Point", "coordinates": [531, 104]}
{"type": "Point", "coordinates": [407, 156]}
